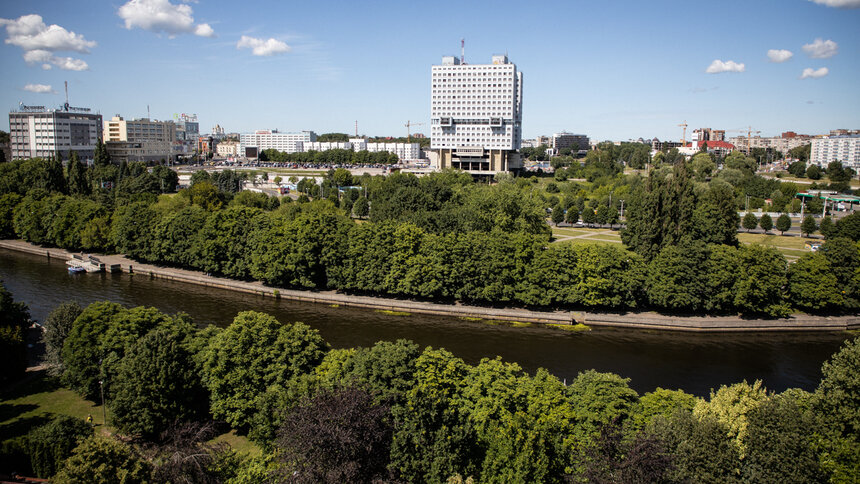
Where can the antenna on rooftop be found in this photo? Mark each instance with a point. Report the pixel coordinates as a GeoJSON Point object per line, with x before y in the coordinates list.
{"type": "Point", "coordinates": [463, 50]}
{"type": "Point", "coordinates": [147, 112]}
{"type": "Point", "coordinates": [67, 95]}
{"type": "Point", "coordinates": [356, 128]}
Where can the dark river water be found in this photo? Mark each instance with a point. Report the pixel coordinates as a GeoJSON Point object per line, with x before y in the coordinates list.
{"type": "Point", "coordinates": [695, 363]}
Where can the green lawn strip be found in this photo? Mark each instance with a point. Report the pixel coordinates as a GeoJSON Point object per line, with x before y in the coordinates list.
{"type": "Point", "coordinates": [786, 245]}
{"type": "Point", "coordinates": [31, 404]}
{"type": "Point", "coordinates": [239, 443]}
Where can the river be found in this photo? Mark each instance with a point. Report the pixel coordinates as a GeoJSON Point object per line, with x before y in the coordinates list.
{"type": "Point", "coordinates": [693, 362]}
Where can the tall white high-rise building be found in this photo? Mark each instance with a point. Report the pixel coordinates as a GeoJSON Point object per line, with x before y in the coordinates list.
{"type": "Point", "coordinates": [476, 115]}
{"type": "Point", "coordinates": [844, 148]}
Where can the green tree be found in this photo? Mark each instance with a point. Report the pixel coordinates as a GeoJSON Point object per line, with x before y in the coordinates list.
{"type": "Point", "coordinates": [760, 281]}
{"type": "Point", "coordinates": [101, 156]}
{"type": "Point", "coordinates": [844, 257]}
{"type": "Point", "coordinates": [432, 439]}
{"type": "Point", "coordinates": [13, 322]}
{"type": "Point", "coordinates": [783, 223]}
{"type": "Point", "coordinates": [103, 460]}
{"type": "Point", "coordinates": [730, 406]}
{"type": "Point", "coordinates": [253, 353]}
{"type": "Point", "coordinates": [813, 172]}
{"type": "Point", "coordinates": [51, 444]}
{"type": "Point", "coordinates": [8, 202]}
{"type": "Point", "coordinates": [361, 207]}
{"type": "Point", "coordinates": [808, 226]}
{"type": "Point", "coordinates": [765, 222]}
{"type": "Point", "coordinates": [660, 403]}
{"type": "Point", "coordinates": [812, 286]}
{"type": "Point", "coordinates": [156, 385]}
{"type": "Point", "coordinates": [82, 354]}
{"type": "Point", "coordinates": [801, 152]}
{"type": "Point", "coordinates": [827, 228]}
{"type": "Point", "coordinates": [837, 173]}
{"type": "Point", "coordinates": [798, 169]}
{"type": "Point", "coordinates": [675, 280]}
{"type": "Point", "coordinates": [700, 448]}
{"type": "Point", "coordinates": [58, 325]}
{"type": "Point", "coordinates": [837, 403]}
{"type": "Point", "coordinates": [750, 221]}
{"type": "Point", "coordinates": [661, 212]}
{"type": "Point", "coordinates": [557, 214]}
{"type": "Point", "coordinates": [780, 444]}
{"type": "Point", "coordinates": [77, 176]}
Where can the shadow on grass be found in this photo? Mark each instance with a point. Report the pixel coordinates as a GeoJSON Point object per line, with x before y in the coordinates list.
{"type": "Point", "coordinates": [22, 426]}
{"type": "Point", "coordinates": [8, 411]}
{"type": "Point", "coordinates": [32, 383]}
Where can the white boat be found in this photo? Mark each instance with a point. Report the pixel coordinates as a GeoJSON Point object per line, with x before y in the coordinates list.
{"type": "Point", "coordinates": [88, 263]}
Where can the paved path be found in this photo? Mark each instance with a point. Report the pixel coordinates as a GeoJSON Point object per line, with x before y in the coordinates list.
{"type": "Point", "coordinates": [642, 320]}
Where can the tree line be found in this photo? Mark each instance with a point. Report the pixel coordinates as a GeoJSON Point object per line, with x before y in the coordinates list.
{"type": "Point", "coordinates": [331, 157]}
{"type": "Point", "coordinates": [395, 412]}
{"type": "Point", "coordinates": [443, 237]}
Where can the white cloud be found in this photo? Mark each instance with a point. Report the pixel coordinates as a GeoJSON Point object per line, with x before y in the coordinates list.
{"type": "Point", "coordinates": [204, 30]}
{"type": "Point", "coordinates": [779, 55]}
{"type": "Point", "coordinates": [728, 66]}
{"type": "Point", "coordinates": [29, 32]}
{"type": "Point", "coordinates": [162, 16]}
{"type": "Point", "coordinates": [810, 73]}
{"type": "Point", "coordinates": [839, 3]}
{"type": "Point", "coordinates": [262, 47]}
{"type": "Point", "coordinates": [47, 59]}
{"type": "Point", "coordinates": [39, 88]}
{"type": "Point", "coordinates": [821, 49]}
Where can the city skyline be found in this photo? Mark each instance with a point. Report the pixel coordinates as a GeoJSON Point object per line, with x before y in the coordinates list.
{"type": "Point", "coordinates": [611, 70]}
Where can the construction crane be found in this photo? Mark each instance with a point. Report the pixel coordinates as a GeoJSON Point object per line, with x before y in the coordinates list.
{"type": "Point", "coordinates": [749, 131]}
{"type": "Point", "coordinates": [408, 125]}
{"type": "Point", "coordinates": [684, 134]}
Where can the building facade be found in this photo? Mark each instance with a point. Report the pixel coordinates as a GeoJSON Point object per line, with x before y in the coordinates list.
{"type": "Point", "coordinates": [844, 148]}
{"type": "Point", "coordinates": [775, 143]}
{"type": "Point", "coordinates": [564, 140]}
{"type": "Point", "coordinates": [227, 148]}
{"type": "Point", "coordinates": [272, 139]}
{"type": "Point", "coordinates": [38, 132]}
{"type": "Point", "coordinates": [140, 139]}
{"type": "Point", "coordinates": [476, 115]}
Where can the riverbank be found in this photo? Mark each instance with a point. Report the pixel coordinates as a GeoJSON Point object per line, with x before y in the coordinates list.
{"type": "Point", "coordinates": [638, 320]}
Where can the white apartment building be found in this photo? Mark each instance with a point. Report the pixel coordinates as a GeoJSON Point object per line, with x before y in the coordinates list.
{"type": "Point", "coordinates": [476, 115]}
{"type": "Point", "coordinates": [775, 143]}
{"type": "Point", "coordinates": [326, 145]}
{"type": "Point", "coordinates": [836, 148]}
{"type": "Point", "coordinates": [38, 132]}
{"type": "Point", "coordinates": [139, 139]}
{"type": "Point", "coordinates": [272, 139]}
{"type": "Point", "coordinates": [404, 151]}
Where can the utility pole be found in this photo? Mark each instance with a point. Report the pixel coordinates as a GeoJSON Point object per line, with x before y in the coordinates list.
{"type": "Point", "coordinates": [622, 210]}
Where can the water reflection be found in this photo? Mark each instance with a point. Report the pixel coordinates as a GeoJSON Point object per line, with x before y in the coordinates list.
{"type": "Point", "coordinates": [693, 362]}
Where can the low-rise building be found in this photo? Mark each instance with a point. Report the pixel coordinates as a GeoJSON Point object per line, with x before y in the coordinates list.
{"type": "Point", "coordinates": [272, 139]}
{"type": "Point", "coordinates": [227, 148]}
{"type": "Point", "coordinates": [564, 140]}
{"type": "Point", "coordinates": [139, 139]}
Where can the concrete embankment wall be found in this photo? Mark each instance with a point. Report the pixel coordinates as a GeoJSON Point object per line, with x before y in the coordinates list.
{"type": "Point", "coordinates": [636, 320]}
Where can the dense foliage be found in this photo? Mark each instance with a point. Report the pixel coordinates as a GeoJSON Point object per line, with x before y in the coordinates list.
{"type": "Point", "coordinates": [14, 319]}
{"type": "Point", "coordinates": [445, 237]}
{"type": "Point", "coordinates": [395, 412]}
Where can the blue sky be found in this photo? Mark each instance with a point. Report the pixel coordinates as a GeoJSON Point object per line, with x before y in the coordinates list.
{"type": "Point", "coordinates": [610, 69]}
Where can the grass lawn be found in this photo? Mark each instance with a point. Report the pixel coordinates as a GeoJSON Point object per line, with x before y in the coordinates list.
{"type": "Point", "coordinates": [31, 403]}
{"type": "Point", "coordinates": [792, 247]}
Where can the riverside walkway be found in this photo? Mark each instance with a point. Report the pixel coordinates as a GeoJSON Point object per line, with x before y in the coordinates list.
{"type": "Point", "coordinates": [639, 320]}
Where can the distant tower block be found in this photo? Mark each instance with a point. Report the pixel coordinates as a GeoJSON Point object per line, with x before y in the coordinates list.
{"type": "Point", "coordinates": [476, 115]}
